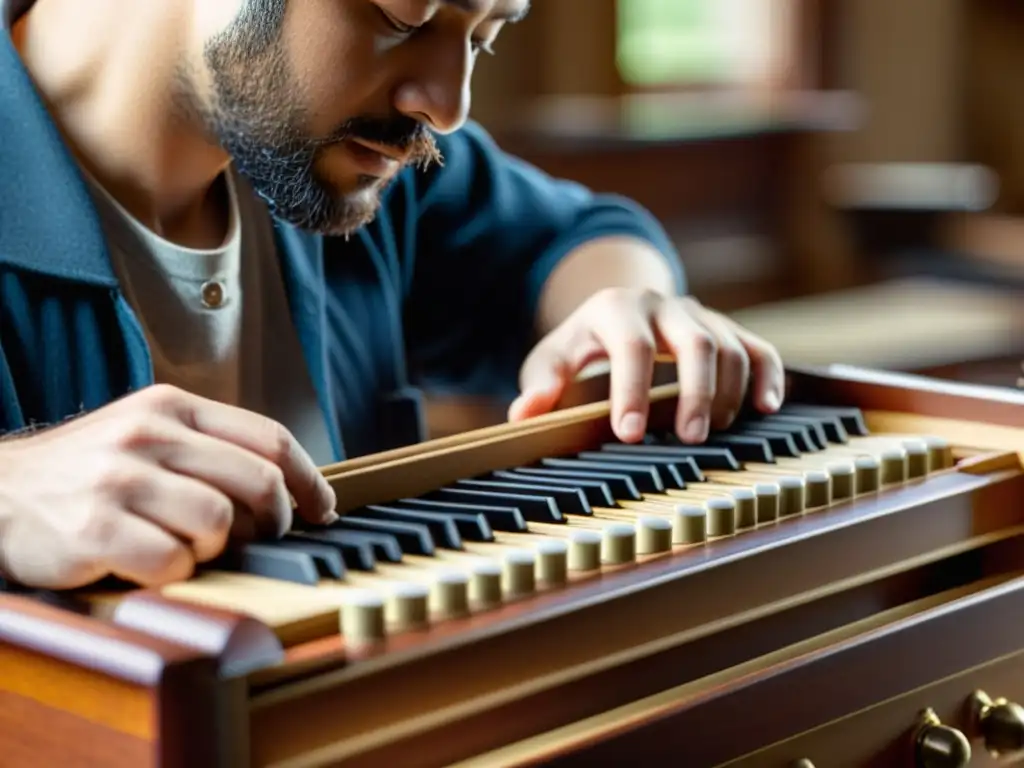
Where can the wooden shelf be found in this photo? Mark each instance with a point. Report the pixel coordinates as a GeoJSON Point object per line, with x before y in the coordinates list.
{"type": "Point", "coordinates": [908, 324]}
{"type": "Point", "coordinates": [581, 124]}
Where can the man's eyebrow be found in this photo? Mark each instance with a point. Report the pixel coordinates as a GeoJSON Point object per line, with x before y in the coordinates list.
{"type": "Point", "coordinates": [511, 16]}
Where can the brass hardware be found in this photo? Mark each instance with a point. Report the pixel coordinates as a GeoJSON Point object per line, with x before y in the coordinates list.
{"type": "Point", "coordinates": [999, 722]}
{"type": "Point", "coordinates": [939, 746]}
{"type": "Point", "coordinates": [803, 762]}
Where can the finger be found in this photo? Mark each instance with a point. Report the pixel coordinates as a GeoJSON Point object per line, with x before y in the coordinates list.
{"type": "Point", "coordinates": [549, 369]}
{"type": "Point", "coordinates": [630, 344]}
{"type": "Point", "coordinates": [543, 378]}
{"type": "Point", "coordinates": [696, 355]}
{"type": "Point", "coordinates": [256, 483]}
{"type": "Point", "coordinates": [767, 373]}
{"type": "Point", "coordinates": [191, 510]}
{"type": "Point", "coordinates": [732, 368]}
{"type": "Point", "coordinates": [56, 563]}
{"type": "Point", "coordinates": [140, 551]}
{"type": "Point", "coordinates": [314, 497]}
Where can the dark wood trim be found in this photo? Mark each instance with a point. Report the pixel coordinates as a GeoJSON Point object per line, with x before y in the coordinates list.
{"type": "Point", "coordinates": [908, 393]}
{"type": "Point", "coordinates": [814, 690]}
{"type": "Point", "coordinates": [239, 643]}
{"type": "Point", "coordinates": [121, 687]}
{"type": "Point", "coordinates": [121, 654]}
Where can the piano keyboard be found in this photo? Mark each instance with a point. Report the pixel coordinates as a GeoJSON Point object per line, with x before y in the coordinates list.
{"type": "Point", "coordinates": [485, 541]}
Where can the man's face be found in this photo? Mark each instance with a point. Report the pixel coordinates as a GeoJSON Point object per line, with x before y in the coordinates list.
{"type": "Point", "coordinates": [321, 102]}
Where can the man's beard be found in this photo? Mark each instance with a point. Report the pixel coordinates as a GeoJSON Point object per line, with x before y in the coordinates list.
{"type": "Point", "coordinates": [255, 115]}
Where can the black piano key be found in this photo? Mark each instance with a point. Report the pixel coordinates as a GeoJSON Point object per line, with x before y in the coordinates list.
{"type": "Point", "coordinates": [597, 492]}
{"type": "Point", "coordinates": [682, 469]}
{"type": "Point", "coordinates": [383, 546]}
{"type": "Point", "coordinates": [815, 427]}
{"type": "Point", "coordinates": [754, 449]}
{"type": "Point", "coordinates": [471, 526]}
{"type": "Point", "coordinates": [705, 457]}
{"type": "Point", "coordinates": [540, 509]}
{"type": "Point", "coordinates": [328, 560]}
{"type": "Point", "coordinates": [666, 468]}
{"type": "Point", "coordinates": [274, 562]}
{"type": "Point", "coordinates": [781, 443]}
{"type": "Point", "coordinates": [644, 476]}
{"type": "Point", "coordinates": [413, 538]}
{"type": "Point", "coordinates": [569, 500]}
{"type": "Point", "coordinates": [621, 485]}
{"type": "Point", "coordinates": [442, 529]}
{"type": "Point", "coordinates": [851, 418]}
{"type": "Point", "coordinates": [508, 519]}
{"type": "Point", "coordinates": [800, 435]}
{"type": "Point", "coordinates": [357, 552]}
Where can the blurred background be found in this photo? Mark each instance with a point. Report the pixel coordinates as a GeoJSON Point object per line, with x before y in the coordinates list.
{"type": "Point", "coordinates": [845, 177]}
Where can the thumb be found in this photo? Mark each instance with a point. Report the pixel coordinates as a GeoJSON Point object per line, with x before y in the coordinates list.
{"type": "Point", "coordinates": [543, 378]}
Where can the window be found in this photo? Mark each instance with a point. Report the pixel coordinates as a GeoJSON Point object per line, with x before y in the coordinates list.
{"type": "Point", "coordinates": [704, 43]}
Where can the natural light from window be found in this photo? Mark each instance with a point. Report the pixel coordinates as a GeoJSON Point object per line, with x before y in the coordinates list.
{"type": "Point", "coordinates": [702, 42]}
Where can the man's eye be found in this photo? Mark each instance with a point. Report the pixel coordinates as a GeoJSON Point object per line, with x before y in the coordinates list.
{"type": "Point", "coordinates": [396, 24]}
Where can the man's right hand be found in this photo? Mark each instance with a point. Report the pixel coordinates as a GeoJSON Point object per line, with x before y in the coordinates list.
{"type": "Point", "coordinates": [146, 487]}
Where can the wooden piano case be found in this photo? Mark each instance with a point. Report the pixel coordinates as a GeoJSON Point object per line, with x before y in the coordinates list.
{"type": "Point", "coordinates": [852, 635]}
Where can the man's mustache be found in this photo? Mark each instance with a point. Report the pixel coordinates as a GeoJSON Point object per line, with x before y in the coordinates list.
{"type": "Point", "coordinates": [399, 132]}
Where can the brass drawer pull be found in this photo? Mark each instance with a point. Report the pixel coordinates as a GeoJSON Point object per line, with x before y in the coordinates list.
{"type": "Point", "coordinates": [939, 746]}
{"type": "Point", "coordinates": [1000, 723]}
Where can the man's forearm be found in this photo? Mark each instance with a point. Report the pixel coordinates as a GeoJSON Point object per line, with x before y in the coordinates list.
{"type": "Point", "coordinates": [607, 262]}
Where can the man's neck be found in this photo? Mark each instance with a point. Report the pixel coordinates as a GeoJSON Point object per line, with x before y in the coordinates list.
{"type": "Point", "coordinates": [108, 73]}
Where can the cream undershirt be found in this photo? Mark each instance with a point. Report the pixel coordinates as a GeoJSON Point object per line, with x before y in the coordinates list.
{"type": "Point", "coordinates": [217, 321]}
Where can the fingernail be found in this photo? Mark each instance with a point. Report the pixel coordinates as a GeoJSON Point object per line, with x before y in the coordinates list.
{"type": "Point", "coordinates": [631, 426]}
{"type": "Point", "coordinates": [697, 429]}
{"type": "Point", "coordinates": [515, 410]}
{"type": "Point", "coordinates": [328, 499]}
{"type": "Point", "coordinates": [771, 400]}
{"type": "Point", "coordinates": [331, 517]}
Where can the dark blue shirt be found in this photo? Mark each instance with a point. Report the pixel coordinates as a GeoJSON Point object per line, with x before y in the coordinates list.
{"type": "Point", "coordinates": [439, 293]}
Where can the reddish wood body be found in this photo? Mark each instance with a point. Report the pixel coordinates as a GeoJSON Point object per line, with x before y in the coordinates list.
{"type": "Point", "coordinates": [165, 685]}
{"type": "Point", "coordinates": [78, 691]}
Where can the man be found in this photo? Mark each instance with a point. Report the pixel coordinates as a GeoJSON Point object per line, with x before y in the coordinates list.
{"type": "Point", "coordinates": [238, 236]}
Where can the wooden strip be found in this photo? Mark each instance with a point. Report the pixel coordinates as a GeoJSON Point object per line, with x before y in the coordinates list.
{"type": "Point", "coordinates": [416, 475]}
{"type": "Point", "coordinates": [586, 400]}
{"type": "Point", "coordinates": [436, 463]}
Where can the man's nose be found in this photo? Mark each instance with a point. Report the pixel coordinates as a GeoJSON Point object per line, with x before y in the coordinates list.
{"type": "Point", "coordinates": [438, 93]}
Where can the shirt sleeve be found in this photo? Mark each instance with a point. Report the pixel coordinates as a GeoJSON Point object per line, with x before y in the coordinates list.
{"type": "Point", "coordinates": [488, 230]}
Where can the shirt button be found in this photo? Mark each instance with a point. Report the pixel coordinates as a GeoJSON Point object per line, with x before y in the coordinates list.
{"type": "Point", "coordinates": [213, 294]}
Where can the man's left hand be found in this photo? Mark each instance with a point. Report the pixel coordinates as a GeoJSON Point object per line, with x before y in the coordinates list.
{"type": "Point", "coordinates": [717, 361]}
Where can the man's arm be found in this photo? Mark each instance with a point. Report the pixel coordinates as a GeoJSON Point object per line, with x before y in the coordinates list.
{"type": "Point", "coordinates": [502, 253]}
{"type": "Point", "coordinates": [523, 279]}
{"type": "Point", "coordinates": [607, 262]}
